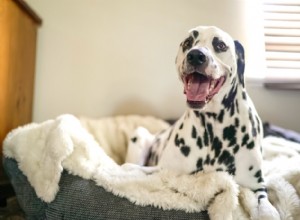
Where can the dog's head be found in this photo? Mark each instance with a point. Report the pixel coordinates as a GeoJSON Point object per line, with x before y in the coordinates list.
{"type": "Point", "coordinates": [208, 61]}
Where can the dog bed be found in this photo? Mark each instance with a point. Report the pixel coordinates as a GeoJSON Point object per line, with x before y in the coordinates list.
{"type": "Point", "coordinates": [72, 168]}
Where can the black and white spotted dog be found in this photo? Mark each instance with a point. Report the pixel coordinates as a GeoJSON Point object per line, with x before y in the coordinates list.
{"type": "Point", "coordinates": [220, 130]}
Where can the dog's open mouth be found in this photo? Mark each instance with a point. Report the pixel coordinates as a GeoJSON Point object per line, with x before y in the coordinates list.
{"type": "Point", "coordinates": [200, 89]}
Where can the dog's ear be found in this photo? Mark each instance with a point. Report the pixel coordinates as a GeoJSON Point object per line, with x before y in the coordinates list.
{"type": "Point", "coordinates": [240, 55]}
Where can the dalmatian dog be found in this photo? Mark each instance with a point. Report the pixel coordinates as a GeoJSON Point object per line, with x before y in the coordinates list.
{"type": "Point", "coordinates": [220, 130]}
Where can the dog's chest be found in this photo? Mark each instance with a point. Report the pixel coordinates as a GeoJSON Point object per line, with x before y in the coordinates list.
{"type": "Point", "coordinates": [202, 141]}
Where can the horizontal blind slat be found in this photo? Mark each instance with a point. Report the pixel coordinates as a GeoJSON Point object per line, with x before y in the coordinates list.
{"type": "Point", "coordinates": [284, 56]}
{"type": "Point", "coordinates": [282, 24]}
{"type": "Point", "coordinates": [281, 32]}
{"type": "Point", "coordinates": [283, 40]}
{"type": "Point", "coordinates": [284, 48]}
{"type": "Point", "coordinates": [281, 16]}
{"type": "Point", "coordinates": [281, 8]}
{"type": "Point", "coordinates": [283, 64]}
{"type": "Point", "coordinates": [282, 2]}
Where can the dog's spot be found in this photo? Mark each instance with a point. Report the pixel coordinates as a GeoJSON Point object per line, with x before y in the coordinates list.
{"type": "Point", "coordinates": [218, 45]}
{"type": "Point", "coordinates": [254, 132]}
{"type": "Point", "coordinates": [229, 133]}
{"type": "Point", "coordinates": [221, 116]}
{"type": "Point", "coordinates": [178, 141]}
{"type": "Point", "coordinates": [195, 34]}
{"type": "Point", "coordinates": [210, 131]}
{"type": "Point", "coordinates": [199, 164]}
{"type": "Point", "coordinates": [199, 142]}
{"type": "Point", "coordinates": [211, 115]}
{"type": "Point", "coordinates": [207, 160]}
{"type": "Point", "coordinates": [258, 176]}
{"type": "Point", "coordinates": [187, 44]}
{"type": "Point", "coordinates": [245, 139]}
{"type": "Point", "coordinates": [236, 149]}
{"type": "Point", "coordinates": [206, 137]}
{"type": "Point", "coordinates": [217, 146]}
{"type": "Point", "coordinates": [194, 132]}
{"type": "Point", "coordinates": [181, 126]}
{"type": "Point", "coordinates": [237, 106]}
{"type": "Point", "coordinates": [250, 168]}
{"type": "Point", "coordinates": [134, 139]}
{"type": "Point", "coordinates": [185, 150]}
{"type": "Point", "coordinates": [228, 101]}
{"type": "Point", "coordinates": [244, 95]}
{"type": "Point", "coordinates": [251, 145]}
{"type": "Point", "coordinates": [236, 122]}
{"type": "Point", "coordinates": [202, 118]}
{"type": "Point", "coordinates": [243, 128]}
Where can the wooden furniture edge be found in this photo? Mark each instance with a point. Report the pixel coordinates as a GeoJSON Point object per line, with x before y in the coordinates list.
{"type": "Point", "coordinates": [24, 6]}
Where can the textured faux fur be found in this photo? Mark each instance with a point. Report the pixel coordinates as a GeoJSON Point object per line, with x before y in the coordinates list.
{"type": "Point", "coordinates": [93, 149]}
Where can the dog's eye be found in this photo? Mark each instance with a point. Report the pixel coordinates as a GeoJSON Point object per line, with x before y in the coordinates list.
{"type": "Point", "coordinates": [187, 44]}
{"type": "Point", "coordinates": [222, 46]}
{"type": "Point", "coordinates": [219, 45]}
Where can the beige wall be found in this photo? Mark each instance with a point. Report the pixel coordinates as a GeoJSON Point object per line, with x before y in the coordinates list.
{"type": "Point", "coordinates": [108, 57]}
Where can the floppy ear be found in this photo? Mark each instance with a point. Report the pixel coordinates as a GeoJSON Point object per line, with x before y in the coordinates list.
{"type": "Point", "coordinates": [240, 55]}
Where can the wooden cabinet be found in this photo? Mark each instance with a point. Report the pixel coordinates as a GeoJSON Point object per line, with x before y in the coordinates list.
{"type": "Point", "coordinates": [18, 34]}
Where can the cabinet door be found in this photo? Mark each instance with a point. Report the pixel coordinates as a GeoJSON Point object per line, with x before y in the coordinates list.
{"type": "Point", "coordinates": [17, 66]}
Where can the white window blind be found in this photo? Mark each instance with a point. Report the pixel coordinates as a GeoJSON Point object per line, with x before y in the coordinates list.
{"type": "Point", "coordinates": [282, 39]}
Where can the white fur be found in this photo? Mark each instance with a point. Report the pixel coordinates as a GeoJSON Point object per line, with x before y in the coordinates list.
{"type": "Point", "coordinates": [44, 150]}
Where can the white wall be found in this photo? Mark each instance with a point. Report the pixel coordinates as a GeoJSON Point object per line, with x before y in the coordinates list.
{"type": "Point", "coordinates": [108, 57]}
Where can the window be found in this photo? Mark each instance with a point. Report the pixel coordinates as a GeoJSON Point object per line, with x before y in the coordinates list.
{"type": "Point", "coordinates": [282, 40]}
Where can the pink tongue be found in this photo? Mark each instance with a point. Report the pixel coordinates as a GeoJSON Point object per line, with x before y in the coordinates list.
{"type": "Point", "coordinates": [197, 87]}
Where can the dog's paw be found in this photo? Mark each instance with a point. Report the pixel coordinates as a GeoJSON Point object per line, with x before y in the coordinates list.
{"type": "Point", "coordinates": [266, 211]}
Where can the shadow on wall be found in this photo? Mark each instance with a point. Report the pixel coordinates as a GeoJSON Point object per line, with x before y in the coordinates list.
{"type": "Point", "coordinates": [135, 106]}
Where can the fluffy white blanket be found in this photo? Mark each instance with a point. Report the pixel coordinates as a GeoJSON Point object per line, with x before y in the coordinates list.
{"type": "Point", "coordinates": [94, 149]}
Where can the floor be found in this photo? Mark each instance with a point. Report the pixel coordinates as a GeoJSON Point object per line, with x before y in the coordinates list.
{"type": "Point", "coordinates": [9, 207]}
{"type": "Point", "coordinates": [11, 211]}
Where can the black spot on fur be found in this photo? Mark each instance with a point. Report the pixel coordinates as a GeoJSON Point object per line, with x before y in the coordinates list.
{"type": "Point", "coordinates": [258, 175]}
{"type": "Point", "coordinates": [211, 115]}
{"type": "Point", "coordinates": [236, 149]}
{"type": "Point", "coordinates": [236, 122]}
{"type": "Point", "coordinates": [228, 101]}
{"type": "Point", "coordinates": [254, 132]}
{"type": "Point", "coordinates": [202, 118]}
{"type": "Point", "coordinates": [195, 34]}
{"type": "Point", "coordinates": [181, 126]}
{"type": "Point", "coordinates": [210, 131]}
{"type": "Point", "coordinates": [227, 159]}
{"type": "Point", "coordinates": [194, 132]}
{"type": "Point", "coordinates": [218, 45]}
{"type": "Point", "coordinates": [244, 95]}
{"type": "Point", "coordinates": [187, 44]}
{"type": "Point", "coordinates": [199, 164]}
{"type": "Point", "coordinates": [237, 106]}
{"type": "Point", "coordinates": [219, 170]}
{"type": "Point", "coordinates": [134, 139]}
{"type": "Point", "coordinates": [199, 142]}
{"type": "Point", "coordinates": [221, 116]}
{"type": "Point", "coordinates": [239, 50]}
{"type": "Point", "coordinates": [258, 124]}
{"type": "Point", "coordinates": [243, 129]}
{"type": "Point", "coordinates": [245, 139]}
{"type": "Point", "coordinates": [207, 160]}
{"type": "Point", "coordinates": [217, 146]}
{"type": "Point", "coordinates": [251, 145]}
{"type": "Point", "coordinates": [212, 162]}
{"type": "Point", "coordinates": [185, 150]}
{"type": "Point", "coordinates": [178, 141]}
{"type": "Point", "coordinates": [250, 168]}
{"type": "Point", "coordinates": [229, 133]}
{"type": "Point", "coordinates": [206, 137]}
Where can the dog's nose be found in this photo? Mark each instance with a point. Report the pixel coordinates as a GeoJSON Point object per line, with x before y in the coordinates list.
{"type": "Point", "coordinates": [196, 57]}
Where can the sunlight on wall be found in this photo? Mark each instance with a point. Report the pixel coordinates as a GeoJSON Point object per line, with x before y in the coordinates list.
{"type": "Point", "coordinates": [107, 57]}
